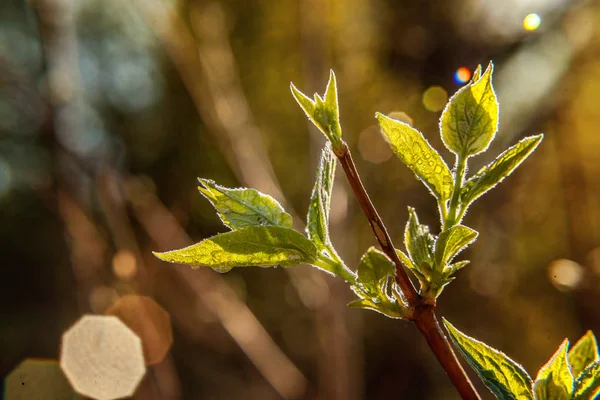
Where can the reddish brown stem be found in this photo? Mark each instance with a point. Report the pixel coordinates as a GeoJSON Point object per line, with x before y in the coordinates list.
{"type": "Point", "coordinates": [429, 326]}
{"type": "Point", "coordinates": [423, 314]}
{"type": "Point", "coordinates": [381, 233]}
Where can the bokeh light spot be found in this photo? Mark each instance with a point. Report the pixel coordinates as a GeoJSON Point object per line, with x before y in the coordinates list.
{"type": "Point", "coordinates": [462, 75]}
{"type": "Point", "coordinates": [435, 98]}
{"type": "Point", "coordinates": [564, 274]}
{"type": "Point", "coordinates": [372, 146]}
{"type": "Point", "coordinates": [149, 321]}
{"type": "Point", "coordinates": [102, 297]}
{"type": "Point", "coordinates": [102, 358]}
{"type": "Point", "coordinates": [124, 264]}
{"type": "Point", "coordinates": [531, 22]}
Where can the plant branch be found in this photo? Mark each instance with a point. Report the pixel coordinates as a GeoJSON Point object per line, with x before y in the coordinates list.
{"type": "Point", "coordinates": [422, 314]}
{"type": "Point", "coordinates": [381, 233]}
{"type": "Point", "coordinates": [429, 326]}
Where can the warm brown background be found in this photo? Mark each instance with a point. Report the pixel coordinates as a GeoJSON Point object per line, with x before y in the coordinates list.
{"type": "Point", "coordinates": [109, 110]}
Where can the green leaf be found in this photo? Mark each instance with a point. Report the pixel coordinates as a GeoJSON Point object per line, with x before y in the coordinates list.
{"type": "Point", "coordinates": [261, 246]}
{"type": "Point", "coordinates": [451, 242]}
{"type": "Point", "coordinates": [554, 380]}
{"type": "Point", "coordinates": [392, 310]}
{"type": "Point", "coordinates": [583, 353]}
{"type": "Point", "coordinates": [374, 266]}
{"type": "Point", "coordinates": [449, 270]}
{"type": "Point", "coordinates": [239, 208]}
{"type": "Point", "coordinates": [419, 242]}
{"type": "Point", "coordinates": [492, 174]}
{"type": "Point", "coordinates": [470, 120]}
{"type": "Point", "coordinates": [587, 386]}
{"type": "Point", "coordinates": [317, 226]}
{"type": "Point", "coordinates": [323, 112]}
{"type": "Point", "coordinates": [414, 150]}
{"type": "Point", "coordinates": [504, 377]}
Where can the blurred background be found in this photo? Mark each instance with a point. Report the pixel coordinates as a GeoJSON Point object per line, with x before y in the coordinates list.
{"type": "Point", "coordinates": [109, 110]}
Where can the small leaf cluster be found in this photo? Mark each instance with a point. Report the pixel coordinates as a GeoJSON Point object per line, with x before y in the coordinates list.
{"type": "Point", "coordinates": [468, 125]}
{"type": "Point", "coordinates": [572, 373]}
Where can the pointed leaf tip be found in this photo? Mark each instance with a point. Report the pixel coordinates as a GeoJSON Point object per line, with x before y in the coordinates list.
{"type": "Point", "coordinates": [241, 207]}
{"type": "Point", "coordinates": [495, 172]}
{"type": "Point", "coordinates": [583, 353]}
{"type": "Point", "coordinates": [503, 376]}
{"type": "Point", "coordinates": [555, 379]}
{"type": "Point", "coordinates": [470, 119]}
{"type": "Point", "coordinates": [261, 246]}
{"type": "Point", "coordinates": [417, 154]}
{"type": "Point", "coordinates": [323, 111]}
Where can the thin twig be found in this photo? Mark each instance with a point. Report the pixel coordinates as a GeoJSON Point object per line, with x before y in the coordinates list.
{"type": "Point", "coordinates": [383, 237]}
{"type": "Point", "coordinates": [422, 314]}
{"type": "Point", "coordinates": [427, 322]}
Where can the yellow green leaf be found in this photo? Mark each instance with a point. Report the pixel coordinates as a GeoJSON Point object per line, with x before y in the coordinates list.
{"type": "Point", "coordinates": [317, 226]}
{"type": "Point", "coordinates": [587, 386]}
{"type": "Point", "coordinates": [583, 353]}
{"type": "Point", "coordinates": [470, 120]}
{"type": "Point", "coordinates": [323, 112]}
{"type": "Point", "coordinates": [494, 173]}
{"type": "Point", "coordinates": [374, 266]}
{"type": "Point", "coordinates": [262, 246]}
{"type": "Point", "coordinates": [243, 207]}
{"type": "Point", "coordinates": [451, 242]}
{"type": "Point", "coordinates": [414, 150]}
{"type": "Point", "coordinates": [554, 380]}
{"type": "Point", "coordinates": [419, 242]}
{"type": "Point", "coordinates": [504, 377]}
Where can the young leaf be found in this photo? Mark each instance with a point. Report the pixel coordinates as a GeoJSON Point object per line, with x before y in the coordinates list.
{"type": "Point", "coordinates": [261, 246]}
{"type": "Point", "coordinates": [388, 309]}
{"type": "Point", "coordinates": [374, 266]}
{"type": "Point", "coordinates": [324, 113]}
{"type": "Point", "coordinates": [492, 174]}
{"type": "Point", "coordinates": [504, 377]}
{"type": "Point", "coordinates": [470, 120]}
{"type": "Point", "coordinates": [449, 270]}
{"type": "Point", "coordinates": [418, 241]}
{"type": "Point", "coordinates": [414, 150]}
{"type": "Point", "coordinates": [587, 386]}
{"type": "Point", "coordinates": [317, 226]}
{"type": "Point", "coordinates": [243, 207]}
{"type": "Point", "coordinates": [584, 353]}
{"type": "Point", "coordinates": [555, 379]}
{"type": "Point", "coordinates": [451, 242]}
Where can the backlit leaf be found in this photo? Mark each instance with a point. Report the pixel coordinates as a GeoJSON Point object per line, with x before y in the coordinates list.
{"type": "Point", "coordinates": [587, 386]}
{"type": "Point", "coordinates": [414, 150]}
{"type": "Point", "coordinates": [317, 226]}
{"type": "Point", "coordinates": [451, 242]}
{"type": "Point", "coordinates": [492, 174]}
{"type": "Point", "coordinates": [239, 208]}
{"type": "Point", "coordinates": [374, 266]}
{"type": "Point", "coordinates": [470, 120]}
{"type": "Point", "coordinates": [323, 112]}
{"type": "Point", "coordinates": [262, 246]}
{"type": "Point", "coordinates": [504, 377]}
{"type": "Point", "coordinates": [392, 310]}
{"type": "Point", "coordinates": [555, 379]}
{"type": "Point", "coordinates": [583, 353]}
{"type": "Point", "coordinates": [449, 270]}
{"type": "Point", "coordinates": [418, 241]}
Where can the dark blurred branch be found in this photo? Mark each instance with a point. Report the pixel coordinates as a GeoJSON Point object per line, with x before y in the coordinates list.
{"type": "Point", "coordinates": [56, 20]}
{"type": "Point", "coordinates": [379, 229]}
{"type": "Point", "coordinates": [212, 291]}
